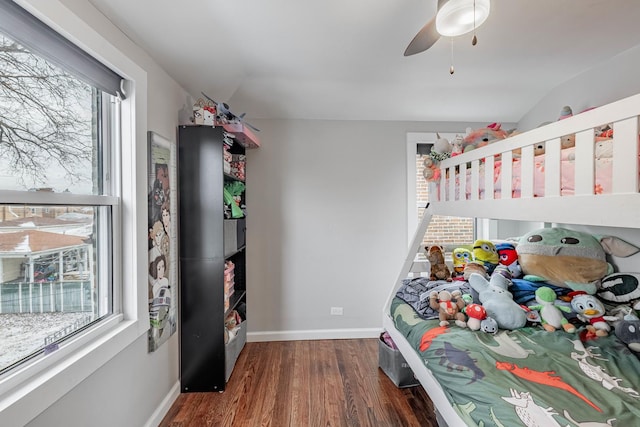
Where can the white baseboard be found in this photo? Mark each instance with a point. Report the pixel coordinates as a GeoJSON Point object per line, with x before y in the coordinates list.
{"type": "Point", "coordinates": [165, 405]}
{"type": "Point", "coordinates": [315, 334]}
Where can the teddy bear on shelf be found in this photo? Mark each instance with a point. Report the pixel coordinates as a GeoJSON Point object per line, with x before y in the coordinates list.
{"type": "Point", "coordinates": [439, 269]}
{"type": "Point", "coordinates": [449, 306]}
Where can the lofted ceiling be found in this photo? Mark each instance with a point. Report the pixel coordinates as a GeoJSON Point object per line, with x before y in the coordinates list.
{"type": "Point", "coordinates": [343, 59]}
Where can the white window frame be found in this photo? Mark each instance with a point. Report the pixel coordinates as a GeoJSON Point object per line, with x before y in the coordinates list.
{"type": "Point", "coordinates": [27, 391]}
{"type": "Point", "coordinates": [413, 139]}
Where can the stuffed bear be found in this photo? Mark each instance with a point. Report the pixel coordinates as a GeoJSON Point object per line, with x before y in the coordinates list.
{"type": "Point", "coordinates": [568, 141]}
{"type": "Point", "coordinates": [439, 269]}
{"type": "Point", "coordinates": [449, 306]}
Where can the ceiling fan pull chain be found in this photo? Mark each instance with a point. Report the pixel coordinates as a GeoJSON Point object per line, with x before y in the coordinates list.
{"type": "Point", "coordinates": [474, 40]}
{"type": "Point", "coordinates": [451, 70]}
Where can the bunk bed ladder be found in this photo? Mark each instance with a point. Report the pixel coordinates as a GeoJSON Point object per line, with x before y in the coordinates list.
{"type": "Point", "coordinates": [415, 246]}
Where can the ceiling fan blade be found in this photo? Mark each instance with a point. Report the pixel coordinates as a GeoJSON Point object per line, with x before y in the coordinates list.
{"type": "Point", "coordinates": [425, 38]}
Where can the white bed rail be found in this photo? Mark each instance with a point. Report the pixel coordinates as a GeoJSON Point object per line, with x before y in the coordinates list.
{"type": "Point", "coordinates": [620, 207]}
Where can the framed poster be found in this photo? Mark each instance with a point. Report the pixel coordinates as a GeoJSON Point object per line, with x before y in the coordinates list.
{"type": "Point", "coordinates": [162, 244]}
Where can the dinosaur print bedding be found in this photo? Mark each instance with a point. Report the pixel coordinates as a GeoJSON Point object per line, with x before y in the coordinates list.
{"type": "Point", "coordinates": [527, 377]}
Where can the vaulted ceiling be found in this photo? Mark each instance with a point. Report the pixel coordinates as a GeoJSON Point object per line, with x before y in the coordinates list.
{"type": "Point", "coordinates": [343, 59]}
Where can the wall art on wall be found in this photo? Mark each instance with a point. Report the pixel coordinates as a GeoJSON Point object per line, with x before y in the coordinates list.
{"type": "Point", "coordinates": [163, 274]}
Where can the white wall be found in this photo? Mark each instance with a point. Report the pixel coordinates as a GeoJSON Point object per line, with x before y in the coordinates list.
{"type": "Point", "coordinates": [606, 82]}
{"type": "Point", "coordinates": [133, 388]}
{"type": "Point", "coordinates": [326, 225]}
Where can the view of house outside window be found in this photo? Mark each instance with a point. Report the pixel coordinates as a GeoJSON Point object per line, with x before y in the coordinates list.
{"type": "Point", "coordinates": [56, 205]}
{"type": "Point", "coordinates": [447, 231]}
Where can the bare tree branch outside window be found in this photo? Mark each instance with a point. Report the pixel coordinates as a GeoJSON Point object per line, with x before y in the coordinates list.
{"type": "Point", "coordinates": [45, 120]}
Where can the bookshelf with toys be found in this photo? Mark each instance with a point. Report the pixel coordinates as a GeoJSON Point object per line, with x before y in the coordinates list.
{"type": "Point", "coordinates": [212, 211]}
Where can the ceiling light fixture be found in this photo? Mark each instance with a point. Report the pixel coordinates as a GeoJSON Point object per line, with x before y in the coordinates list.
{"type": "Point", "coordinates": [458, 17]}
{"type": "Point", "coordinates": [453, 18]}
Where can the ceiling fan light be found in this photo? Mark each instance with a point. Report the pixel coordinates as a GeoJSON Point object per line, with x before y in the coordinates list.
{"type": "Point", "coordinates": [456, 17]}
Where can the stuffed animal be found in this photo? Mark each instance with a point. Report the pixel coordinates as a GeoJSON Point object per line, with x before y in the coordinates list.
{"type": "Point", "coordinates": [476, 314]}
{"type": "Point", "coordinates": [483, 136]}
{"type": "Point", "coordinates": [498, 301]}
{"type": "Point", "coordinates": [604, 133]}
{"type": "Point", "coordinates": [621, 288]}
{"type": "Point", "coordinates": [566, 112]}
{"type": "Point", "coordinates": [604, 149]}
{"type": "Point", "coordinates": [628, 331]}
{"type": "Point", "coordinates": [431, 170]}
{"type": "Point", "coordinates": [485, 251]}
{"type": "Point", "coordinates": [441, 149]}
{"type": "Point", "coordinates": [460, 257]}
{"type": "Point", "coordinates": [509, 258]}
{"type": "Point", "coordinates": [439, 269]}
{"type": "Point", "coordinates": [568, 258]}
{"type": "Point", "coordinates": [456, 145]}
{"type": "Point", "coordinates": [449, 306]}
{"type": "Point", "coordinates": [590, 310]}
{"type": "Point", "coordinates": [232, 325]}
{"type": "Point", "coordinates": [568, 141]}
{"type": "Point", "coordinates": [538, 149]}
{"type": "Point", "coordinates": [489, 325]}
{"type": "Point", "coordinates": [474, 267]}
{"type": "Point", "coordinates": [550, 312]}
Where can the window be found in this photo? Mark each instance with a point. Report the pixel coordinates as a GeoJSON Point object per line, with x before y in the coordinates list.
{"type": "Point", "coordinates": [113, 308]}
{"type": "Point", "coordinates": [56, 225]}
{"type": "Point", "coordinates": [447, 231]}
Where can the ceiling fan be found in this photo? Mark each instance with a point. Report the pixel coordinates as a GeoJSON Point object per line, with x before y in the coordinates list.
{"type": "Point", "coordinates": [453, 18]}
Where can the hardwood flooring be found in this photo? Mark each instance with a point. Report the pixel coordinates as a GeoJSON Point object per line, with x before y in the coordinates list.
{"type": "Point", "coordinates": [306, 384]}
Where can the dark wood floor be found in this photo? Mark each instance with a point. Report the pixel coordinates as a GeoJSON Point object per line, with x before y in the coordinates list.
{"type": "Point", "coordinates": [306, 383]}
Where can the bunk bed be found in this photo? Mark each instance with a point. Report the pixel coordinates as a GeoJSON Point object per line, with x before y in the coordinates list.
{"type": "Point", "coordinates": [453, 363]}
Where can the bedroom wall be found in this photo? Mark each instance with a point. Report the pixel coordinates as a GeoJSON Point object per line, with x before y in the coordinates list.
{"type": "Point", "coordinates": [604, 83]}
{"type": "Point", "coordinates": [110, 397]}
{"type": "Point", "coordinates": [327, 225]}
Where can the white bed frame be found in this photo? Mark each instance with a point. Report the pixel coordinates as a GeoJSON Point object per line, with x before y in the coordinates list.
{"type": "Point", "coordinates": [621, 208]}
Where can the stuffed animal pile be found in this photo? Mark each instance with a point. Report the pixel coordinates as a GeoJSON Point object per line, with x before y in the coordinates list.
{"type": "Point", "coordinates": [571, 286]}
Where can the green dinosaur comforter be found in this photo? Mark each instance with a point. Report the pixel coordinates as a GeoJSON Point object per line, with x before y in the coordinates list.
{"type": "Point", "coordinates": [527, 377]}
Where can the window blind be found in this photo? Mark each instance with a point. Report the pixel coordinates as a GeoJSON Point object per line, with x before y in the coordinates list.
{"type": "Point", "coordinates": [39, 38]}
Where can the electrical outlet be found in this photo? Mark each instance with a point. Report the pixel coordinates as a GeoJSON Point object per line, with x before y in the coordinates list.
{"type": "Point", "coordinates": [336, 311]}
